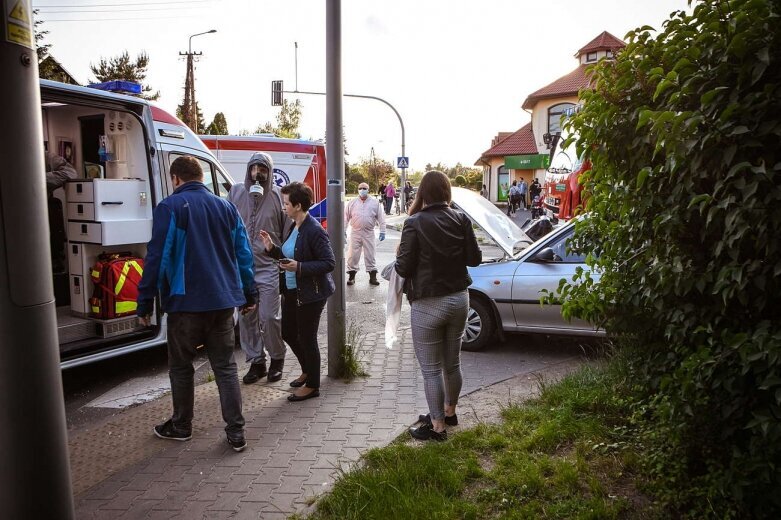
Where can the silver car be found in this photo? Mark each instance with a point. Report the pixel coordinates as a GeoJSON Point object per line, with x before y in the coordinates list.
{"type": "Point", "coordinates": [507, 287]}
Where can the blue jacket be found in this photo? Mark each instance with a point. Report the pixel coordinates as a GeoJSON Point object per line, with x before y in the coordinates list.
{"type": "Point", "coordinates": [315, 259]}
{"type": "Point", "coordinates": [199, 258]}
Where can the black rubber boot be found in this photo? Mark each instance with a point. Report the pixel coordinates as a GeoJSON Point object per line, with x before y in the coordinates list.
{"type": "Point", "coordinates": [275, 370]}
{"type": "Point", "coordinates": [373, 278]}
{"type": "Point", "coordinates": [351, 277]}
{"type": "Point", "coordinates": [255, 372]}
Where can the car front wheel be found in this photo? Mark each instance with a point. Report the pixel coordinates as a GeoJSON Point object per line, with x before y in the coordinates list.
{"type": "Point", "coordinates": [479, 325]}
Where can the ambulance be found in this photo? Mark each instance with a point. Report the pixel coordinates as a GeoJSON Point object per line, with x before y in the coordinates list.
{"type": "Point", "coordinates": [121, 148]}
{"type": "Point", "coordinates": [294, 160]}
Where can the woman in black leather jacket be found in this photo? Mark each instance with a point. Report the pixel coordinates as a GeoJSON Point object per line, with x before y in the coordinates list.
{"type": "Point", "coordinates": [437, 245]}
{"type": "Point", "coordinates": [307, 260]}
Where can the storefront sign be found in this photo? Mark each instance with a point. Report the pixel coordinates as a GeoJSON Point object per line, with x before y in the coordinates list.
{"type": "Point", "coordinates": [527, 162]}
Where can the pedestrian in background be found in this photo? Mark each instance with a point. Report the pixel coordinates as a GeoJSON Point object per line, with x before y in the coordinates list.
{"type": "Point", "coordinates": [484, 192]}
{"type": "Point", "coordinates": [306, 259]}
{"type": "Point", "coordinates": [523, 190]}
{"type": "Point", "coordinates": [437, 245]}
{"type": "Point", "coordinates": [390, 194]}
{"type": "Point", "coordinates": [381, 193]}
{"type": "Point", "coordinates": [362, 215]}
{"type": "Point", "coordinates": [200, 261]}
{"type": "Point", "coordinates": [407, 194]}
{"type": "Point", "coordinates": [513, 198]}
{"type": "Point", "coordinates": [261, 330]}
{"type": "Point", "coordinates": [535, 189]}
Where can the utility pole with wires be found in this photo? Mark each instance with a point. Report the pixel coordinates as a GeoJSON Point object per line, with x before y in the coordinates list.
{"type": "Point", "coordinates": [190, 107]}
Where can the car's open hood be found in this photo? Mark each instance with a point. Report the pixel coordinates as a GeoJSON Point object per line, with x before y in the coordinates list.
{"type": "Point", "coordinates": [494, 222]}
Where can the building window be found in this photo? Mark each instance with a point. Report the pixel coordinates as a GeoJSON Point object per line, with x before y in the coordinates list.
{"type": "Point", "coordinates": [609, 54]}
{"type": "Point", "coordinates": [556, 116]}
{"type": "Point", "coordinates": [591, 57]}
{"type": "Point", "coordinates": [503, 183]}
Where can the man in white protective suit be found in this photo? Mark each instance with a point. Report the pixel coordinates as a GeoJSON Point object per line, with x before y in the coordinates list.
{"type": "Point", "coordinates": [362, 216]}
{"type": "Point", "coordinates": [259, 202]}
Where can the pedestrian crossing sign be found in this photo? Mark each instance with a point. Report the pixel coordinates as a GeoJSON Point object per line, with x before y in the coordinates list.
{"type": "Point", "coordinates": [402, 162]}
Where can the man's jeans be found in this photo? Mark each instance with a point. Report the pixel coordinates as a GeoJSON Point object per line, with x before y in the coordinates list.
{"type": "Point", "coordinates": [213, 330]}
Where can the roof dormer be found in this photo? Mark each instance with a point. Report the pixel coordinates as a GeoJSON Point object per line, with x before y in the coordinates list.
{"type": "Point", "coordinates": [603, 46]}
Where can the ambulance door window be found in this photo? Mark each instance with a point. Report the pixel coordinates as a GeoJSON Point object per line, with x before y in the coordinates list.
{"type": "Point", "coordinates": [208, 174]}
{"type": "Point", "coordinates": [223, 184]}
{"type": "Point", "coordinates": [206, 166]}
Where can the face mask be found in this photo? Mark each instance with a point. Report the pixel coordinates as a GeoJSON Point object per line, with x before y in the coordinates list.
{"type": "Point", "coordinates": [259, 175]}
{"type": "Point", "coordinates": [363, 193]}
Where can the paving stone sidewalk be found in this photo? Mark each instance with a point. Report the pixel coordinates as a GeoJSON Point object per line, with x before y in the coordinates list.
{"type": "Point", "coordinates": [294, 449]}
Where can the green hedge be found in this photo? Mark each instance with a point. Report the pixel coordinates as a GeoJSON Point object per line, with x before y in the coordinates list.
{"type": "Point", "coordinates": [684, 134]}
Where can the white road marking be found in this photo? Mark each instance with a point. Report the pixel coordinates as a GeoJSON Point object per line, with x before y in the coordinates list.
{"type": "Point", "coordinates": [135, 391]}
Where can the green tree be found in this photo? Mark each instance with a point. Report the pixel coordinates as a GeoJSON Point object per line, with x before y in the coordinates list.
{"type": "Point", "coordinates": [123, 68]}
{"type": "Point", "coordinates": [48, 68]}
{"type": "Point", "coordinates": [288, 120]}
{"type": "Point", "coordinates": [472, 177]}
{"type": "Point", "coordinates": [199, 112]}
{"type": "Point", "coordinates": [42, 49]}
{"type": "Point", "coordinates": [218, 126]}
{"type": "Point", "coordinates": [372, 172]}
{"type": "Point", "coordinates": [684, 225]}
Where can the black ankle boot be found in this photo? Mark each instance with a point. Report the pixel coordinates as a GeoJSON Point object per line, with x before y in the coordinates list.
{"type": "Point", "coordinates": [275, 370]}
{"type": "Point", "coordinates": [373, 278]}
{"type": "Point", "coordinates": [255, 372]}
{"type": "Point", "coordinates": [351, 277]}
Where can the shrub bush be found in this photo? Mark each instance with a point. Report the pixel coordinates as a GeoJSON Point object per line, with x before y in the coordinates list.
{"type": "Point", "coordinates": [683, 131]}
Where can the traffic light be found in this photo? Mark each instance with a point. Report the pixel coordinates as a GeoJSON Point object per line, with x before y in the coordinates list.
{"type": "Point", "coordinates": [276, 93]}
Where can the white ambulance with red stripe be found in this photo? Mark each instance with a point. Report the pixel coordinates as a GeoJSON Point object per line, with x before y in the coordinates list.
{"type": "Point", "coordinates": [121, 148]}
{"type": "Point", "coordinates": [294, 160]}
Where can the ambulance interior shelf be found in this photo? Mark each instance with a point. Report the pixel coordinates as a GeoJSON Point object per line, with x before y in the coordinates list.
{"type": "Point", "coordinates": [104, 143]}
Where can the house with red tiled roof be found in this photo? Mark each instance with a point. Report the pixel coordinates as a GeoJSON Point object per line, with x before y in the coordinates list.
{"type": "Point", "coordinates": [524, 154]}
{"type": "Point", "coordinates": [495, 158]}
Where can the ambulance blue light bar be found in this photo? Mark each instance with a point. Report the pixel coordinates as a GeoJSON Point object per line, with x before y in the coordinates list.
{"type": "Point", "coordinates": [118, 86]}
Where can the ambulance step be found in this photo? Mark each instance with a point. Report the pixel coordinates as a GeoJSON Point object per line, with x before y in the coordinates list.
{"type": "Point", "coordinates": [71, 328]}
{"type": "Point", "coordinates": [117, 326]}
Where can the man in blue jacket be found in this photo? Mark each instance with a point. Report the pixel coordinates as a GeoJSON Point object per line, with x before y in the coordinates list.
{"type": "Point", "coordinates": [200, 262]}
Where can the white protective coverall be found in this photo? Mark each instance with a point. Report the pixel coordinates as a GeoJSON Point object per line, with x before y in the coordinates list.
{"type": "Point", "coordinates": [262, 329]}
{"type": "Point", "coordinates": [362, 215]}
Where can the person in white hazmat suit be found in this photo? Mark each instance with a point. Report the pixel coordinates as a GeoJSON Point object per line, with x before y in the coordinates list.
{"type": "Point", "coordinates": [259, 202]}
{"type": "Point", "coordinates": [362, 215]}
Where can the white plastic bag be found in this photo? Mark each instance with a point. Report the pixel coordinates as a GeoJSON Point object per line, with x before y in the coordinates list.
{"type": "Point", "coordinates": [393, 305]}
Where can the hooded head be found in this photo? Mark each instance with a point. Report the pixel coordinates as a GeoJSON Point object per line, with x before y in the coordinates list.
{"type": "Point", "coordinates": [260, 167]}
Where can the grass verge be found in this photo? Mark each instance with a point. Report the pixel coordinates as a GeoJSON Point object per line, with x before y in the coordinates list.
{"type": "Point", "coordinates": [567, 454]}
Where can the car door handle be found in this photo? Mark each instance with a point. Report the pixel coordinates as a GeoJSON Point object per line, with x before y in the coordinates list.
{"type": "Point", "coordinates": [112, 203]}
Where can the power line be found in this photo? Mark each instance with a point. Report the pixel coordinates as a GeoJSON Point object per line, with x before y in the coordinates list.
{"type": "Point", "coordinates": [118, 10]}
{"type": "Point", "coordinates": [121, 19]}
{"type": "Point", "coordinates": [119, 4]}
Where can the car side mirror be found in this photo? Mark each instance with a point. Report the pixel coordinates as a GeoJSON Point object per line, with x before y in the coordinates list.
{"type": "Point", "coordinates": [546, 254]}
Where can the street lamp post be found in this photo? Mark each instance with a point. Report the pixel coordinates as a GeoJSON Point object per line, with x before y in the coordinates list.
{"type": "Point", "coordinates": [190, 109]}
{"type": "Point", "coordinates": [190, 45]}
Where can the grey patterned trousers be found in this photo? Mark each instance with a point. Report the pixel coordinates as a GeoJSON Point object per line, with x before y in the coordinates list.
{"type": "Point", "coordinates": [437, 328]}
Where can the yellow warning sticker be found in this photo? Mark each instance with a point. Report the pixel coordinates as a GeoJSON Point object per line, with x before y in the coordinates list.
{"type": "Point", "coordinates": [20, 35]}
{"type": "Point", "coordinates": [17, 22]}
{"type": "Point", "coordinates": [19, 13]}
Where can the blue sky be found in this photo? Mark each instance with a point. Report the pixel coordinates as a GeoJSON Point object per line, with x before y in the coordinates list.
{"type": "Point", "coordinates": [457, 71]}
